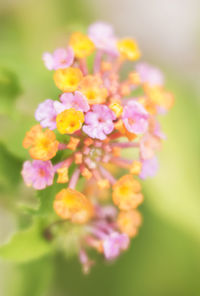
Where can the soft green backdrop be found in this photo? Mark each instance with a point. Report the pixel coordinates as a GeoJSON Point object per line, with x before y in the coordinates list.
{"type": "Point", "coordinates": [165, 258]}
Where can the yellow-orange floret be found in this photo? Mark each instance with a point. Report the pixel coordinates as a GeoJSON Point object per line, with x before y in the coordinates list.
{"type": "Point", "coordinates": [117, 108]}
{"type": "Point", "coordinates": [69, 121]}
{"type": "Point", "coordinates": [127, 193]}
{"type": "Point", "coordinates": [119, 125]}
{"type": "Point", "coordinates": [73, 143]}
{"type": "Point", "coordinates": [158, 96]}
{"type": "Point", "coordinates": [81, 44]}
{"type": "Point", "coordinates": [129, 49]}
{"type": "Point", "coordinates": [92, 87]}
{"type": "Point", "coordinates": [73, 205]}
{"type": "Point", "coordinates": [62, 175]}
{"type": "Point", "coordinates": [68, 79]}
{"type": "Point", "coordinates": [43, 144]}
{"type": "Point", "coordinates": [134, 78]}
{"type": "Point", "coordinates": [129, 222]}
{"type": "Point", "coordinates": [135, 167]}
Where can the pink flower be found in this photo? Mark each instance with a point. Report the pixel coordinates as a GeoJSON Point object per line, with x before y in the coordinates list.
{"type": "Point", "coordinates": [38, 174]}
{"type": "Point", "coordinates": [149, 74]}
{"type": "Point", "coordinates": [60, 59]}
{"type": "Point", "coordinates": [99, 122]}
{"type": "Point", "coordinates": [103, 37]}
{"type": "Point", "coordinates": [69, 100]}
{"type": "Point", "coordinates": [135, 117]}
{"type": "Point", "coordinates": [149, 168]}
{"type": "Point", "coordinates": [46, 114]}
{"type": "Point", "coordinates": [158, 132]}
{"type": "Point", "coordinates": [149, 145]}
{"type": "Point", "coordinates": [114, 244]}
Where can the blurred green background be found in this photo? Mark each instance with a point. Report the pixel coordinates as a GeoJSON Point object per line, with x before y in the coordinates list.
{"type": "Point", "coordinates": [165, 258]}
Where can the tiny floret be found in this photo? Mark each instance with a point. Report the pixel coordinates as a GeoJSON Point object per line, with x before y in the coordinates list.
{"type": "Point", "coordinates": [60, 59]}
{"type": "Point", "coordinates": [43, 144]}
{"type": "Point", "coordinates": [99, 122]}
{"type": "Point", "coordinates": [46, 114]}
{"type": "Point", "coordinates": [128, 48]}
{"type": "Point", "coordinates": [73, 205]}
{"type": "Point", "coordinates": [127, 193]}
{"type": "Point", "coordinates": [38, 174]}
{"type": "Point", "coordinates": [135, 118]}
{"type": "Point", "coordinates": [69, 121]}
{"type": "Point", "coordinates": [68, 79]}
{"type": "Point", "coordinates": [81, 44]}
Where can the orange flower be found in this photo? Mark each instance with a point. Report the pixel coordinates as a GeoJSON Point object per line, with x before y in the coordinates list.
{"type": "Point", "coordinates": [73, 205]}
{"type": "Point", "coordinates": [43, 145]}
{"type": "Point", "coordinates": [158, 96]}
{"type": "Point", "coordinates": [129, 222]}
{"type": "Point", "coordinates": [92, 87]}
{"type": "Point", "coordinates": [126, 193]}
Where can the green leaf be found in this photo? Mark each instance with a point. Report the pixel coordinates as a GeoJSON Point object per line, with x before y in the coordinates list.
{"type": "Point", "coordinates": [10, 167]}
{"type": "Point", "coordinates": [25, 277]}
{"type": "Point", "coordinates": [46, 198]}
{"type": "Point", "coordinates": [26, 245]}
{"type": "Point", "coordinates": [13, 133]}
{"type": "Point", "coordinates": [9, 90]}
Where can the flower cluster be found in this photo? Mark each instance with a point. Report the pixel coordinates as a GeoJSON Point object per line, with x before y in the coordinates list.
{"type": "Point", "coordinates": [100, 113]}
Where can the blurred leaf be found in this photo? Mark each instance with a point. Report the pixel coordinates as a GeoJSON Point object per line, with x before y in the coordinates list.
{"type": "Point", "coordinates": [26, 245]}
{"type": "Point", "coordinates": [13, 133]}
{"type": "Point", "coordinates": [9, 90]}
{"type": "Point", "coordinates": [46, 198]}
{"type": "Point", "coordinates": [25, 277]}
{"type": "Point", "coordinates": [10, 167]}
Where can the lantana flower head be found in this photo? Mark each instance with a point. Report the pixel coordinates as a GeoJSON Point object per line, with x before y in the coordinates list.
{"type": "Point", "coordinates": [82, 136]}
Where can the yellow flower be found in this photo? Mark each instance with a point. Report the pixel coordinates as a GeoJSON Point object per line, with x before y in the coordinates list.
{"type": "Point", "coordinates": [43, 145]}
{"type": "Point", "coordinates": [68, 79]}
{"type": "Point", "coordinates": [62, 175]}
{"type": "Point", "coordinates": [136, 167]}
{"type": "Point", "coordinates": [92, 87]}
{"type": "Point", "coordinates": [69, 121]}
{"type": "Point", "coordinates": [129, 49]}
{"type": "Point", "coordinates": [81, 44]}
{"type": "Point", "coordinates": [117, 108]}
{"type": "Point", "coordinates": [73, 205]}
{"type": "Point", "coordinates": [126, 193]}
{"type": "Point", "coordinates": [129, 222]}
